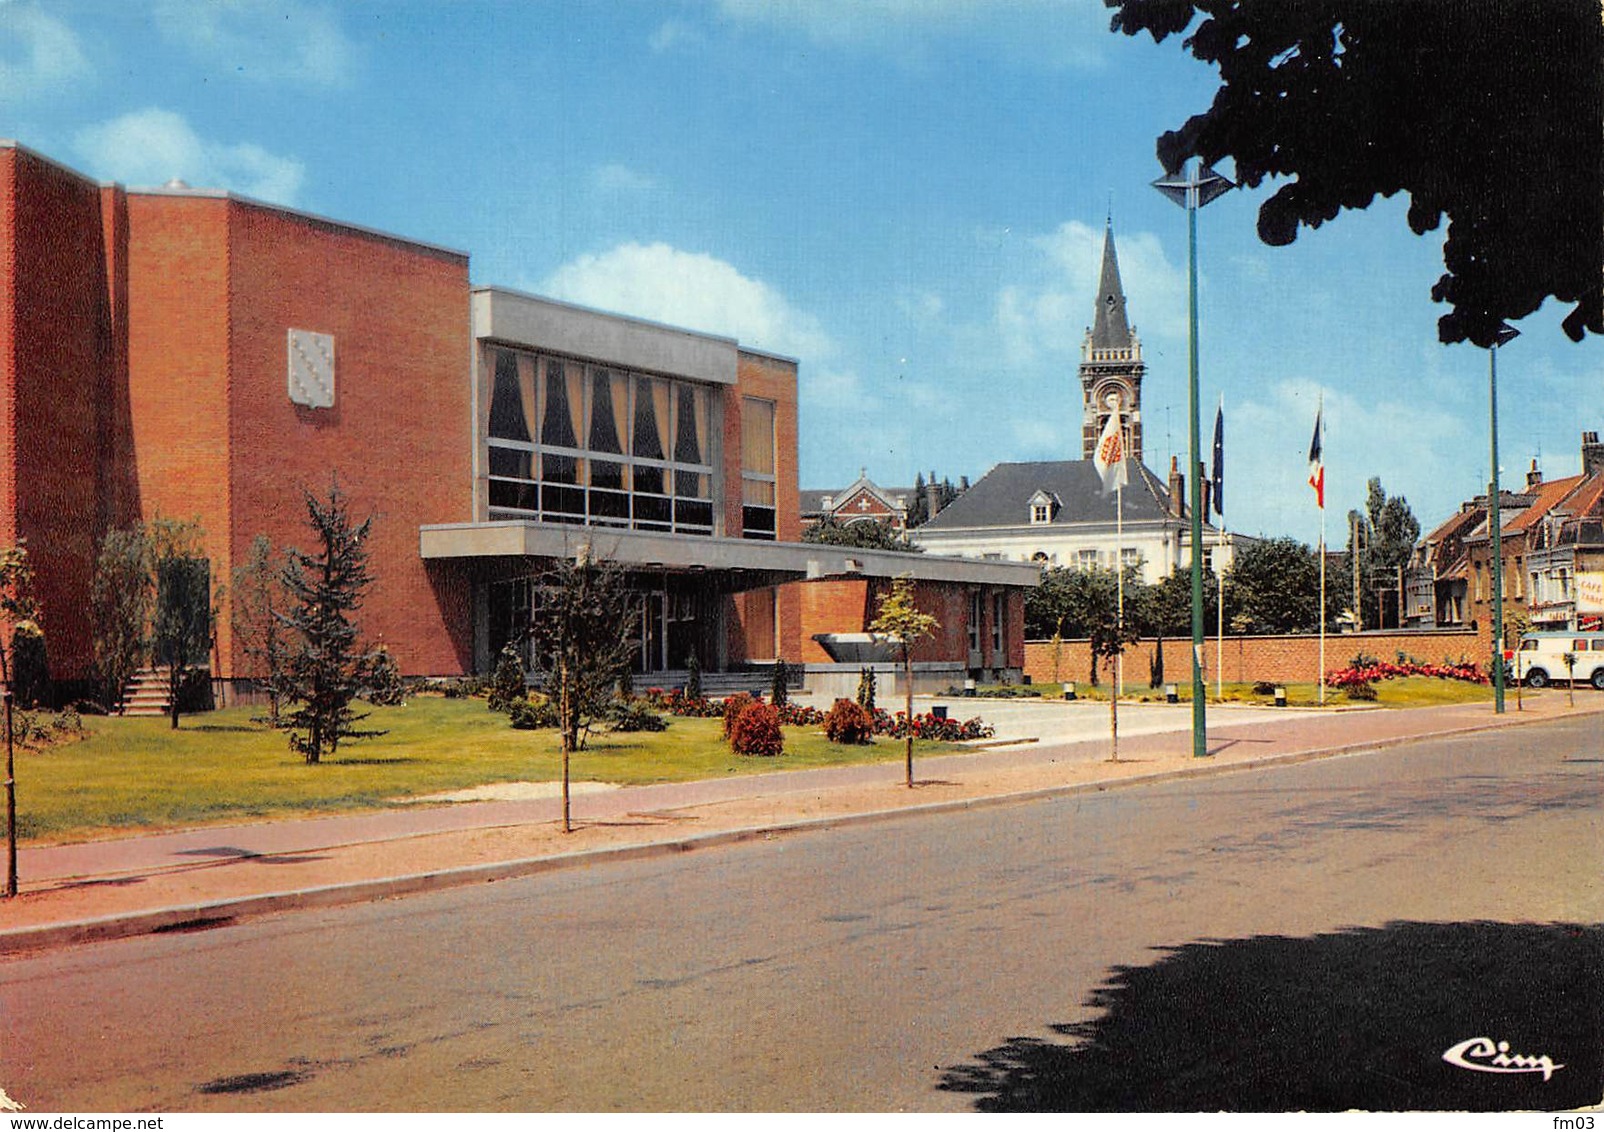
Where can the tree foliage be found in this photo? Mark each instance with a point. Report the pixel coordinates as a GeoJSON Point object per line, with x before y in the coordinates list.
{"type": "Point", "coordinates": [865, 534]}
{"type": "Point", "coordinates": [899, 617]}
{"type": "Point", "coordinates": [325, 669]}
{"type": "Point", "coordinates": [1386, 532]}
{"type": "Point", "coordinates": [581, 617]}
{"type": "Point", "coordinates": [259, 597]}
{"type": "Point", "coordinates": [1273, 586]}
{"type": "Point", "coordinates": [1084, 604]}
{"type": "Point", "coordinates": [1484, 113]}
{"type": "Point", "coordinates": [121, 598]}
{"type": "Point", "coordinates": [181, 625]}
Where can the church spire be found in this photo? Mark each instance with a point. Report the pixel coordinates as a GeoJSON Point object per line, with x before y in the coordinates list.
{"type": "Point", "coordinates": [1110, 330]}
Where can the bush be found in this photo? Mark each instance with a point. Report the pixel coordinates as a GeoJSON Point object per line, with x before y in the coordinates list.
{"type": "Point", "coordinates": [625, 716]}
{"type": "Point", "coordinates": [756, 730]}
{"type": "Point", "coordinates": [733, 706]}
{"type": "Point", "coordinates": [463, 688]}
{"type": "Point", "coordinates": [1366, 692]}
{"type": "Point", "coordinates": [849, 722]}
{"type": "Point", "coordinates": [385, 686]}
{"type": "Point", "coordinates": [693, 678]}
{"type": "Point", "coordinates": [866, 688]}
{"type": "Point", "coordinates": [509, 684]}
{"type": "Point", "coordinates": [780, 692]}
{"type": "Point", "coordinates": [1264, 688]}
{"type": "Point", "coordinates": [533, 715]}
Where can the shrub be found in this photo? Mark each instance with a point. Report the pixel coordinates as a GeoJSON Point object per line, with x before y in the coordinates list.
{"type": "Point", "coordinates": [1365, 692]}
{"type": "Point", "coordinates": [849, 722]}
{"type": "Point", "coordinates": [756, 730]}
{"type": "Point", "coordinates": [779, 692]}
{"type": "Point", "coordinates": [533, 715]}
{"type": "Point", "coordinates": [1264, 688]}
{"type": "Point", "coordinates": [733, 706]}
{"type": "Point", "coordinates": [385, 686]}
{"type": "Point", "coordinates": [799, 715]}
{"type": "Point", "coordinates": [509, 684]}
{"type": "Point", "coordinates": [866, 688]}
{"type": "Point", "coordinates": [626, 716]}
{"type": "Point", "coordinates": [693, 678]}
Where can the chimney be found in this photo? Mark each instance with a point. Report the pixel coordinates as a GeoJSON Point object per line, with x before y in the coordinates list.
{"type": "Point", "coordinates": [932, 497]}
{"type": "Point", "coordinates": [1177, 489]}
{"type": "Point", "coordinates": [1534, 478]}
{"type": "Point", "coordinates": [1592, 454]}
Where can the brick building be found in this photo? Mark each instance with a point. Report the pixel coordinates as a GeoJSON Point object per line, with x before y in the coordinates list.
{"type": "Point", "coordinates": [194, 354]}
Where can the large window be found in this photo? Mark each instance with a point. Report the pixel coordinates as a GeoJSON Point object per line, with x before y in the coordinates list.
{"type": "Point", "coordinates": [572, 442]}
{"type": "Point", "coordinates": [757, 468]}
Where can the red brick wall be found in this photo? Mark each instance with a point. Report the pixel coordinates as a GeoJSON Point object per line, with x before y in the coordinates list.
{"type": "Point", "coordinates": [771, 379]}
{"type": "Point", "coordinates": [215, 286]}
{"type": "Point", "coordinates": [1272, 659]}
{"type": "Point", "coordinates": [57, 335]}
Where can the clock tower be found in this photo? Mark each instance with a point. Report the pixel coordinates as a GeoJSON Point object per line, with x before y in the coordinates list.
{"type": "Point", "coordinates": [1111, 361]}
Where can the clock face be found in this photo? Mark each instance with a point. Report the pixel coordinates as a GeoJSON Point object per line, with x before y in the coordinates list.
{"type": "Point", "coordinates": [311, 369]}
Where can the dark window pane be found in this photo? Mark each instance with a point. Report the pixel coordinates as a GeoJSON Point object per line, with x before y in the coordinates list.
{"type": "Point", "coordinates": [516, 496]}
{"type": "Point", "coordinates": [609, 505]}
{"type": "Point", "coordinates": [687, 446]}
{"type": "Point", "coordinates": [603, 420]}
{"type": "Point", "coordinates": [692, 514]}
{"type": "Point", "coordinates": [559, 469]}
{"type": "Point", "coordinates": [653, 511]}
{"type": "Point", "coordinates": [691, 484]}
{"type": "Point", "coordinates": [506, 406]}
{"type": "Point", "coordinates": [650, 481]}
{"type": "Point", "coordinates": [557, 427]}
{"type": "Point", "coordinates": [757, 522]}
{"type": "Point", "coordinates": [605, 473]}
{"type": "Point", "coordinates": [651, 403]}
{"type": "Point", "coordinates": [512, 463]}
{"type": "Point", "coordinates": [560, 501]}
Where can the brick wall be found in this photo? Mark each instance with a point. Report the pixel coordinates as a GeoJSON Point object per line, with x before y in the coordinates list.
{"type": "Point", "coordinates": [215, 286]}
{"type": "Point", "coordinates": [1274, 659]}
{"type": "Point", "coordinates": [58, 337]}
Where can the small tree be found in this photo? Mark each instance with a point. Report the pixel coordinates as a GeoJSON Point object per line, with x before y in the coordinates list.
{"type": "Point", "coordinates": [866, 689]}
{"type": "Point", "coordinates": [259, 598]}
{"type": "Point", "coordinates": [901, 620]}
{"type": "Point", "coordinates": [325, 670]}
{"type": "Point", "coordinates": [181, 630]}
{"type": "Point", "coordinates": [19, 612]}
{"type": "Point", "coordinates": [779, 687]}
{"type": "Point", "coordinates": [581, 632]}
{"type": "Point", "coordinates": [509, 683]}
{"type": "Point", "coordinates": [121, 599]}
{"type": "Point", "coordinates": [1570, 676]}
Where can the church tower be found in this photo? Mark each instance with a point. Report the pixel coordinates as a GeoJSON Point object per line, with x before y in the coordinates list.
{"type": "Point", "coordinates": [1111, 361]}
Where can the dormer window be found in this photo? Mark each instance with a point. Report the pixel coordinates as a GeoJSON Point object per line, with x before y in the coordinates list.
{"type": "Point", "coordinates": [1041, 508]}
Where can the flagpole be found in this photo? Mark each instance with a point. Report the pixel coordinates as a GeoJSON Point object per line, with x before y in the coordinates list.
{"type": "Point", "coordinates": [1119, 618]}
{"type": "Point", "coordinates": [1321, 613]}
{"type": "Point", "coordinates": [1219, 545]}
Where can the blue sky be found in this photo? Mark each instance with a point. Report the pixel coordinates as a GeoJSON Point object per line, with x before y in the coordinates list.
{"type": "Point", "coordinates": [906, 195]}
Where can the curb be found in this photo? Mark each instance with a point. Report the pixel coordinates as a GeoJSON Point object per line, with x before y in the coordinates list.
{"type": "Point", "coordinates": [221, 913]}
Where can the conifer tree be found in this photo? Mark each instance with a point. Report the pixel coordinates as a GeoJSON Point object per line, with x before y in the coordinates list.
{"type": "Point", "coordinates": [325, 669]}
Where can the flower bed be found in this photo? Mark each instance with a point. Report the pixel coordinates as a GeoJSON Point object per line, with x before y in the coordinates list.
{"type": "Point", "coordinates": [926, 726]}
{"type": "Point", "coordinates": [1357, 674]}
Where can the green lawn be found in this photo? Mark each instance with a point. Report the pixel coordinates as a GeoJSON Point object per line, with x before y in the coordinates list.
{"type": "Point", "coordinates": [140, 774]}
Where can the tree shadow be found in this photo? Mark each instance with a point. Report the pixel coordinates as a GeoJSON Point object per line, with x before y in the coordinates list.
{"type": "Point", "coordinates": [1357, 1019]}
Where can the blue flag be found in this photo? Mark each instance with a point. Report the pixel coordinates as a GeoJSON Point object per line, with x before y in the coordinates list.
{"type": "Point", "coordinates": [1219, 461]}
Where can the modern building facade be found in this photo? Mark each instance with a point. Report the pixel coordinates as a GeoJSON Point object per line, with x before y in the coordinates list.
{"type": "Point", "coordinates": [200, 356]}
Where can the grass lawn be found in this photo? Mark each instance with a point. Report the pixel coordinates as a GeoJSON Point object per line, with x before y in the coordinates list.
{"type": "Point", "coordinates": [140, 774]}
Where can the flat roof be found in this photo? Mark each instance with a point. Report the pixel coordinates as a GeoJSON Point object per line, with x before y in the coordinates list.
{"type": "Point", "coordinates": [514, 538]}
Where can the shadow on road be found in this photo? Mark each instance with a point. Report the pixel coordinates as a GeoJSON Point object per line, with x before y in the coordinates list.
{"type": "Point", "coordinates": [1357, 1019]}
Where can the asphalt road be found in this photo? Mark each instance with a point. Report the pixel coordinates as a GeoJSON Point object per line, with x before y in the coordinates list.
{"type": "Point", "coordinates": [1316, 936]}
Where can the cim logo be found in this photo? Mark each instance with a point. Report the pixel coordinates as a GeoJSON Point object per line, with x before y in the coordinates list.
{"type": "Point", "coordinates": [1483, 1055]}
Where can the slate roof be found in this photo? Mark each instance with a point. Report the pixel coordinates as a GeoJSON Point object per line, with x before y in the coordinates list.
{"type": "Point", "coordinates": [1110, 328]}
{"type": "Point", "coordinates": [1001, 497]}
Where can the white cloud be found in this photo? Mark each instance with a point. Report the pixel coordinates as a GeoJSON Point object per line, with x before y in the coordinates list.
{"type": "Point", "coordinates": [1047, 33]}
{"type": "Point", "coordinates": [39, 54]}
{"type": "Point", "coordinates": [151, 147]}
{"type": "Point", "coordinates": [264, 40]}
{"type": "Point", "coordinates": [693, 290]}
{"type": "Point", "coordinates": [674, 34]}
{"type": "Point", "coordinates": [1045, 315]}
{"type": "Point", "coordinates": [616, 178]}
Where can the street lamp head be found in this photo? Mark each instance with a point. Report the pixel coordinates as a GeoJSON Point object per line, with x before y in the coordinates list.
{"type": "Point", "coordinates": [1194, 189]}
{"type": "Point", "coordinates": [1506, 334]}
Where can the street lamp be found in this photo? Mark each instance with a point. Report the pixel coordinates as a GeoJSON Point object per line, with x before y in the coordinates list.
{"type": "Point", "coordinates": [1495, 515]}
{"type": "Point", "coordinates": [1192, 188]}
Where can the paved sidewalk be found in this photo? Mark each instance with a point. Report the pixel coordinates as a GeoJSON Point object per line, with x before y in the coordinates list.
{"type": "Point", "coordinates": [197, 877]}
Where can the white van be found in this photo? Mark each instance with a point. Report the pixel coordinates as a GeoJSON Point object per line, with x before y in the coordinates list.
{"type": "Point", "coordinates": [1541, 659]}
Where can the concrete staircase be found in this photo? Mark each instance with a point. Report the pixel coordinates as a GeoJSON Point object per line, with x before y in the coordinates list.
{"type": "Point", "coordinates": [146, 693]}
